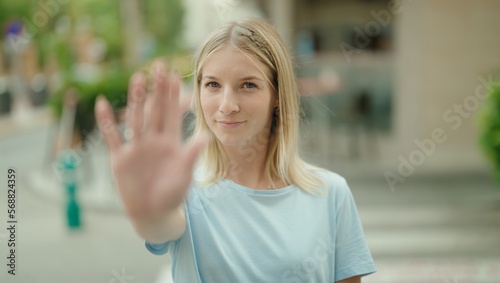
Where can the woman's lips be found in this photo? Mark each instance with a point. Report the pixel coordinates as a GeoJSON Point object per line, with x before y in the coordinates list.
{"type": "Point", "coordinates": [229, 124]}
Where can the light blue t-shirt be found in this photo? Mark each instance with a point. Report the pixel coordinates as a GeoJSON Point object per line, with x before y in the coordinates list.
{"type": "Point", "coordinates": [237, 234]}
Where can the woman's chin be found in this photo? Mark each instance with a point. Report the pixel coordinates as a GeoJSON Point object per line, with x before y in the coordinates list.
{"type": "Point", "coordinates": [230, 141]}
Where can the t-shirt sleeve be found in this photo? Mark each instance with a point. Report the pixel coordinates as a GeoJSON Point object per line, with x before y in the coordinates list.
{"type": "Point", "coordinates": [352, 255]}
{"type": "Point", "coordinates": [158, 249]}
{"type": "Point", "coordinates": [163, 248]}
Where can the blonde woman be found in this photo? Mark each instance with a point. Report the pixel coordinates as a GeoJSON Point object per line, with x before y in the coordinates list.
{"type": "Point", "coordinates": [250, 209]}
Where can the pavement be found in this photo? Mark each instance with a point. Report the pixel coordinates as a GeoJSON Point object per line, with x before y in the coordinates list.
{"type": "Point", "coordinates": [441, 227]}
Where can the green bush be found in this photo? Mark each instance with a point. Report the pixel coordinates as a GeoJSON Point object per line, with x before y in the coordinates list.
{"type": "Point", "coordinates": [113, 87]}
{"type": "Point", "coordinates": [490, 129]}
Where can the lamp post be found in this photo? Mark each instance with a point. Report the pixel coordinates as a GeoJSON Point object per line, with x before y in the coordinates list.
{"type": "Point", "coordinates": [69, 166]}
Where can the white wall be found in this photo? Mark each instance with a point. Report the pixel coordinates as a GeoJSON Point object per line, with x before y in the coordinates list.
{"type": "Point", "coordinates": [442, 48]}
{"type": "Point", "coordinates": [203, 16]}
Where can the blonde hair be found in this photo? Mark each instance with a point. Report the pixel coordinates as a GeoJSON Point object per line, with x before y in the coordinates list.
{"type": "Point", "coordinates": [257, 37]}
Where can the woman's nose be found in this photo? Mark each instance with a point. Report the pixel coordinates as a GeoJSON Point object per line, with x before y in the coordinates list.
{"type": "Point", "coordinates": [229, 103]}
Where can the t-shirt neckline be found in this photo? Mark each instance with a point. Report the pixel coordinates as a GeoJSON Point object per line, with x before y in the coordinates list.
{"type": "Point", "coordinates": [243, 189]}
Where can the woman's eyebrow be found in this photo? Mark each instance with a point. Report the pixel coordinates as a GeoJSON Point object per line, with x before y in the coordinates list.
{"type": "Point", "coordinates": [246, 78]}
{"type": "Point", "coordinates": [209, 77]}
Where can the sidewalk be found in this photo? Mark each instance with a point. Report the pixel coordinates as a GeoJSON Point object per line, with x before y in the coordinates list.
{"type": "Point", "coordinates": [37, 118]}
{"type": "Point", "coordinates": [434, 229]}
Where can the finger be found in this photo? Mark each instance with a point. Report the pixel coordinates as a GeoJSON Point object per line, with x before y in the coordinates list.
{"type": "Point", "coordinates": [135, 103]}
{"type": "Point", "coordinates": [172, 111]}
{"type": "Point", "coordinates": [156, 120]}
{"type": "Point", "coordinates": [107, 125]}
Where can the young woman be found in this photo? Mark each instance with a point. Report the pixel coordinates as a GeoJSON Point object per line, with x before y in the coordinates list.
{"type": "Point", "coordinates": [250, 210]}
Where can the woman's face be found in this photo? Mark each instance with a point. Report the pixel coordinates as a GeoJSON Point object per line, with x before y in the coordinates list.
{"type": "Point", "coordinates": [236, 97]}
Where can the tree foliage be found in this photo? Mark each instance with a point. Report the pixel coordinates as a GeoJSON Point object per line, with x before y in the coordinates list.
{"type": "Point", "coordinates": [11, 10]}
{"type": "Point", "coordinates": [163, 18]}
{"type": "Point", "coordinates": [490, 129]}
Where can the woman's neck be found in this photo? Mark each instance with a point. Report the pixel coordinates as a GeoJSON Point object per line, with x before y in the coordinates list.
{"type": "Point", "coordinates": [246, 166]}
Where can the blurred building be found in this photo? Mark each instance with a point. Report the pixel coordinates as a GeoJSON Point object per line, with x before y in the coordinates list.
{"type": "Point", "coordinates": [440, 57]}
{"type": "Point", "coordinates": [416, 72]}
{"type": "Point", "coordinates": [204, 16]}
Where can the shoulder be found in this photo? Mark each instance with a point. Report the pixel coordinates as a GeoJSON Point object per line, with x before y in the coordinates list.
{"type": "Point", "coordinates": [335, 186]}
{"type": "Point", "coordinates": [331, 179]}
{"type": "Point", "coordinates": [339, 196]}
{"type": "Point", "coordinates": [333, 182]}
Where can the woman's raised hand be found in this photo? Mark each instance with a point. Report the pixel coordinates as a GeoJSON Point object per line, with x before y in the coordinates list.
{"type": "Point", "coordinates": [153, 169]}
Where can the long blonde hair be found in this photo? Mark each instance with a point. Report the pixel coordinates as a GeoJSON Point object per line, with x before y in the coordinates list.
{"type": "Point", "coordinates": [257, 37]}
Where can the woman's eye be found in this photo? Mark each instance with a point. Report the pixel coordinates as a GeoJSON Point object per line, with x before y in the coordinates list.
{"type": "Point", "coordinates": [212, 84]}
{"type": "Point", "coordinates": [249, 85]}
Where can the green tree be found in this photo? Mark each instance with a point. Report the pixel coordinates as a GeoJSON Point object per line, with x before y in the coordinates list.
{"type": "Point", "coordinates": [163, 18]}
{"type": "Point", "coordinates": [160, 18]}
{"type": "Point", "coordinates": [489, 124]}
{"type": "Point", "coordinates": [10, 10]}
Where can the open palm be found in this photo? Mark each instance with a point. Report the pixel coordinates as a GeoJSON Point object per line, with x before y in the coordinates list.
{"type": "Point", "coordinates": [153, 169]}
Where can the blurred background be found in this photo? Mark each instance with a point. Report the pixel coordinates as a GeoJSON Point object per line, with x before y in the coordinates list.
{"type": "Point", "coordinates": [400, 97]}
